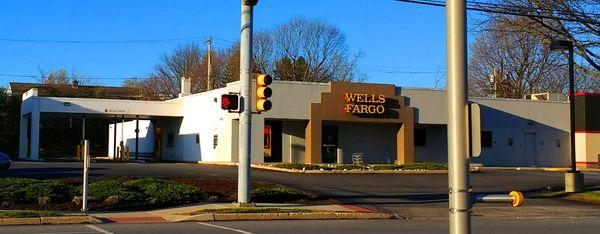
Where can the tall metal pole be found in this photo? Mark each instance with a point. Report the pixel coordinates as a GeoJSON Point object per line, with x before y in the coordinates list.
{"type": "Point", "coordinates": [137, 136]}
{"type": "Point", "coordinates": [245, 143]}
{"type": "Point", "coordinates": [458, 161]}
{"type": "Point", "coordinates": [208, 55]}
{"type": "Point", "coordinates": [86, 165]}
{"type": "Point", "coordinates": [572, 108]}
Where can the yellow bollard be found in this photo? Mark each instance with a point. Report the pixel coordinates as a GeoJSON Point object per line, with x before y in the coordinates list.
{"type": "Point", "coordinates": [78, 153]}
{"type": "Point", "coordinates": [126, 153]}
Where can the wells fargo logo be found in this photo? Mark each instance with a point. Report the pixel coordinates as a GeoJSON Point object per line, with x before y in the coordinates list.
{"type": "Point", "coordinates": [360, 103]}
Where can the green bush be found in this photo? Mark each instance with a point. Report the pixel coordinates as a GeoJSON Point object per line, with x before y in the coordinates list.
{"type": "Point", "coordinates": [349, 167]}
{"type": "Point", "coordinates": [102, 189]}
{"type": "Point", "coordinates": [384, 167]}
{"type": "Point", "coordinates": [21, 190]}
{"type": "Point", "coordinates": [414, 166]}
{"type": "Point", "coordinates": [425, 166]}
{"type": "Point", "coordinates": [298, 166]}
{"type": "Point", "coordinates": [276, 194]}
{"type": "Point", "coordinates": [166, 192]}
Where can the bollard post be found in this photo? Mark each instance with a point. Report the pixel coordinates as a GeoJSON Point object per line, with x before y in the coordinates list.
{"type": "Point", "coordinates": [86, 165]}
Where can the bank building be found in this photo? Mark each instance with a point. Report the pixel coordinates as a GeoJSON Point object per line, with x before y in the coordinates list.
{"type": "Point", "coordinates": [326, 123]}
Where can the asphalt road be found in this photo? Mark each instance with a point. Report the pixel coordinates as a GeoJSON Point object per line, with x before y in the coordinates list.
{"type": "Point", "coordinates": [542, 226]}
{"type": "Point", "coordinates": [386, 192]}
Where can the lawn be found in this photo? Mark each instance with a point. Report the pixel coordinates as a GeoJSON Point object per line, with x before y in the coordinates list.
{"type": "Point", "coordinates": [136, 193]}
{"type": "Point", "coordinates": [591, 194]}
{"type": "Point", "coordinates": [27, 213]}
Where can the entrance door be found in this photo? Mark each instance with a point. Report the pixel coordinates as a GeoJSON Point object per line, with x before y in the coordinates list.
{"type": "Point", "coordinates": [157, 143]}
{"type": "Point", "coordinates": [530, 148]}
{"type": "Point", "coordinates": [329, 144]}
{"type": "Point", "coordinates": [272, 149]}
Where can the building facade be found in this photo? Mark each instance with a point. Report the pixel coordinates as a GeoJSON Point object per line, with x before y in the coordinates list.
{"type": "Point", "coordinates": [318, 123]}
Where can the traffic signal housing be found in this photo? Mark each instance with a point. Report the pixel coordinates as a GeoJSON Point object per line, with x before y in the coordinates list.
{"type": "Point", "coordinates": [263, 92]}
{"type": "Point", "coordinates": [230, 102]}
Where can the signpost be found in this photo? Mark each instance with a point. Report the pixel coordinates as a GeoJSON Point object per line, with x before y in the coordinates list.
{"type": "Point", "coordinates": [86, 166]}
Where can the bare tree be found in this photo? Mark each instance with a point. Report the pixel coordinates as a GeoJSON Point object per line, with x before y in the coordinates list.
{"type": "Point", "coordinates": [574, 20]}
{"type": "Point", "coordinates": [511, 65]}
{"type": "Point", "coordinates": [61, 76]}
{"type": "Point", "coordinates": [320, 45]}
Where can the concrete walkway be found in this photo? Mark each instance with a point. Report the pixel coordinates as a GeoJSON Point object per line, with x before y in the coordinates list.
{"type": "Point", "coordinates": [182, 213]}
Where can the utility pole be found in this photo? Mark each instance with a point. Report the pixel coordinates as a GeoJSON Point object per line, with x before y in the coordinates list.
{"type": "Point", "coordinates": [245, 141]}
{"type": "Point", "coordinates": [208, 55]}
{"type": "Point", "coordinates": [458, 159]}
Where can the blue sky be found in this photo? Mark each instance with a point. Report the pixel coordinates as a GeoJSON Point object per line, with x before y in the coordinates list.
{"type": "Point", "coordinates": [403, 44]}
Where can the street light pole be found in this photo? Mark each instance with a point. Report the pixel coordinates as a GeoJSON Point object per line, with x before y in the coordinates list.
{"type": "Point", "coordinates": [245, 130]}
{"type": "Point", "coordinates": [573, 178]}
{"type": "Point", "coordinates": [572, 108]}
{"type": "Point", "coordinates": [458, 160]}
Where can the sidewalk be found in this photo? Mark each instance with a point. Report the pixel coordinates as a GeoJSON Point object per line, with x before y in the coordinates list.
{"type": "Point", "coordinates": [180, 214]}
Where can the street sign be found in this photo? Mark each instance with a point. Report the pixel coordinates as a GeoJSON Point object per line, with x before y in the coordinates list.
{"type": "Point", "coordinates": [474, 130]}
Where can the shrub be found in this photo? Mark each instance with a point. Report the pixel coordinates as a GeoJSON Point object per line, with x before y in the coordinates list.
{"type": "Point", "coordinates": [167, 192]}
{"type": "Point", "coordinates": [426, 166]}
{"type": "Point", "coordinates": [20, 190]}
{"type": "Point", "coordinates": [105, 188]}
{"type": "Point", "coordinates": [349, 167]}
{"type": "Point", "coordinates": [414, 166]}
{"type": "Point", "coordinates": [382, 167]}
{"type": "Point", "coordinates": [297, 166]}
{"type": "Point", "coordinates": [276, 194]}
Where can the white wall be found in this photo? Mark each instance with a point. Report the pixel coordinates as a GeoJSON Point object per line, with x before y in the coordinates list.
{"type": "Point", "coordinates": [126, 133]}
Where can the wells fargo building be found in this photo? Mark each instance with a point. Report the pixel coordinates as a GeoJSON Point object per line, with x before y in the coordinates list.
{"type": "Point", "coordinates": [318, 123]}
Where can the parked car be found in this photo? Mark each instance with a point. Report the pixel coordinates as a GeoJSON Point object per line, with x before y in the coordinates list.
{"type": "Point", "coordinates": [4, 162]}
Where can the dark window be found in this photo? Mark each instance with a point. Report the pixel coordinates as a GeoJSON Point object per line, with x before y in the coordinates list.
{"type": "Point", "coordinates": [170, 140]}
{"type": "Point", "coordinates": [420, 137]}
{"type": "Point", "coordinates": [557, 143]}
{"type": "Point", "coordinates": [510, 142]}
{"type": "Point", "coordinates": [197, 138]}
{"type": "Point", "coordinates": [486, 139]}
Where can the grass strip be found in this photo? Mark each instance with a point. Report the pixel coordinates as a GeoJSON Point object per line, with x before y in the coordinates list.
{"type": "Point", "coordinates": [591, 195]}
{"type": "Point", "coordinates": [27, 213]}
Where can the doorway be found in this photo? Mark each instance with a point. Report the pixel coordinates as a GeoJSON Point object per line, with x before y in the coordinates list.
{"type": "Point", "coordinates": [530, 148]}
{"type": "Point", "coordinates": [329, 144]}
{"type": "Point", "coordinates": [272, 149]}
{"type": "Point", "coordinates": [157, 143]}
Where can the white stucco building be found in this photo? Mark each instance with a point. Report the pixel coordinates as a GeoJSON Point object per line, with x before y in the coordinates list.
{"type": "Point", "coordinates": [315, 123]}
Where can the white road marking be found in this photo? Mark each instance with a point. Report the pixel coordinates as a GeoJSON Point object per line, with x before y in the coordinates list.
{"type": "Point", "coordinates": [226, 228]}
{"type": "Point", "coordinates": [100, 230]}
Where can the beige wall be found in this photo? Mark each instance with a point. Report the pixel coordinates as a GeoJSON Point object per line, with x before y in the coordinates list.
{"type": "Point", "coordinates": [587, 149]}
{"type": "Point", "coordinates": [376, 141]}
{"type": "Point", "coordinates": [293, 141]}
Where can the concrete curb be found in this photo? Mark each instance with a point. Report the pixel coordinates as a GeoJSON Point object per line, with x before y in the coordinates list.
{"type": "Point", "coordinates": [75, 219]}
{"type": "Point", "coordinates": [285, 216]}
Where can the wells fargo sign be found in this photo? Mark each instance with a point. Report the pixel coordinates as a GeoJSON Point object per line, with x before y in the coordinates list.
{"type": "Point", "coordinates": [361, 103]}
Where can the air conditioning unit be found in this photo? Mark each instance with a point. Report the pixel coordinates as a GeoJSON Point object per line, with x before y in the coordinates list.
{"type": "Point", "coordinates": [546, 96]}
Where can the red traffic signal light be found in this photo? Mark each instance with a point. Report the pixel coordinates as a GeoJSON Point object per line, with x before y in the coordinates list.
{"type": "Point", "coordinates": [230, 101]}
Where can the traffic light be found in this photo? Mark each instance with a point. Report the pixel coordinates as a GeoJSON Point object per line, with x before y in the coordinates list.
{"type": "Point", "coordinates": [263, 92]}
{"type": "Point", "coordinates": [230, 102]}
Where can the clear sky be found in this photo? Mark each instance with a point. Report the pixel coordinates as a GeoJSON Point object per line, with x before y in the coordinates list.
{"type": "Point", "coordinates": [403, 43]}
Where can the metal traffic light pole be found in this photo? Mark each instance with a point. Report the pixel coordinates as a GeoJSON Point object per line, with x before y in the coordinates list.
{"type": "Point", "coordinates": [245, 130]}
{"type": "Point", "coordinates": [458, 160]}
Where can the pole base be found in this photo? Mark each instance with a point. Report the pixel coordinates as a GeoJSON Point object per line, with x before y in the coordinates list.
{"type": "Point", "coordinates": [574, 182]}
